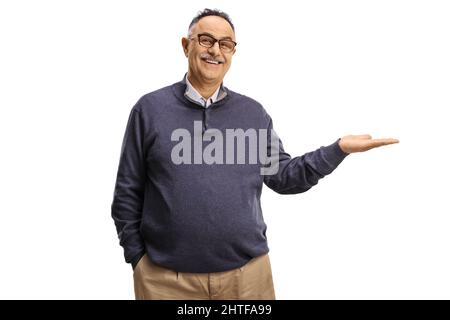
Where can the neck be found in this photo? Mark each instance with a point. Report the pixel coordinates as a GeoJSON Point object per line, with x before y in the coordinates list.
{"type": "Point", "coordinates": [206, 89]}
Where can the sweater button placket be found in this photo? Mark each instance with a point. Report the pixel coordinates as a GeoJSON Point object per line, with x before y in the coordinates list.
{"type": "Point", "coordinates": [205, 116]}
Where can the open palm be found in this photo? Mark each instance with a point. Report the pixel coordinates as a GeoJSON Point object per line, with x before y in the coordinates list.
{"type": "Point", "coordinates": [363, 142]}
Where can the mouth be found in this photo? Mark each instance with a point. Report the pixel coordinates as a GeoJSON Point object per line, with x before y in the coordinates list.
{"type": "Point", "coordinates": [213, 62]}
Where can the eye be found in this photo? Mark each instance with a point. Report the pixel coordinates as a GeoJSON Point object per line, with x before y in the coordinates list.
{"type": "Point", "coordinates": [227, 45]}
{"type": "Point", "coordinates": [206, 41]}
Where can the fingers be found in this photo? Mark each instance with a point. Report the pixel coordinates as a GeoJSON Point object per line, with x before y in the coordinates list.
{"type": "Point", "coordinates": [383, 142]}
{"type": "Point", "coordinates": [387, 141]}
{"type": "Point", "coordinates": [369, 137]}
{"type": "Point", "coordinates": [364, 142]}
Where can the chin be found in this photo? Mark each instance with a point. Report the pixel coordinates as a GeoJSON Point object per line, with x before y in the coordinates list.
{"type": "Point", "coordinates": [212, 75]}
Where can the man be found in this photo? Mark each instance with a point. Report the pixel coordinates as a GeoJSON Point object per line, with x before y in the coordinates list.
{"type": "Point", "coordinates": [187, 200]}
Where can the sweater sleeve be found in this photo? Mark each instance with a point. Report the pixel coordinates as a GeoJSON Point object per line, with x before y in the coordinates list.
{"type": "Point", "coordinates": [126, 208]}
{"type": "Point", "coordinates": [299, 174]}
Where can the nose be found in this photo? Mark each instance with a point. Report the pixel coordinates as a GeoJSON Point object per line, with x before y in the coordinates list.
{"type": "Point", "coordinates": [215, 49]}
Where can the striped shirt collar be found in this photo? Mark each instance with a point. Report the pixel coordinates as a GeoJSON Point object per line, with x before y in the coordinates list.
{"type": "Point", "coordinates": [196, 97]}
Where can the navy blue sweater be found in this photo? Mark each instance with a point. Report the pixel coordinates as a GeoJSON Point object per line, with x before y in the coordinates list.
{"type": "Point", "coordinates": [192, 217]}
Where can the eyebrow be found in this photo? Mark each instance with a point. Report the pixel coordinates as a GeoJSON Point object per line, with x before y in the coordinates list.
{"type": "Point", "coordinates": [224, 38]}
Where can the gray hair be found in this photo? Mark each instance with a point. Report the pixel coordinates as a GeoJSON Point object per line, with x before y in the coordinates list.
{"type": "Point", "coordinates": [209, 12]}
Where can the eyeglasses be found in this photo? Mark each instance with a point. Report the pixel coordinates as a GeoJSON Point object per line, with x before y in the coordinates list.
{"type": "Point", "coordinates": [208, 41]}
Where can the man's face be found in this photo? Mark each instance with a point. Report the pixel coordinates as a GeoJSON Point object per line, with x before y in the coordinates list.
{"type": "Point", "coordinates": [199, 68]}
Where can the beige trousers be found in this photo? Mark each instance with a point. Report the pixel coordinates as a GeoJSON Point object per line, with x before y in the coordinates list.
{"type": "Point", "coordinates": [253, 281]}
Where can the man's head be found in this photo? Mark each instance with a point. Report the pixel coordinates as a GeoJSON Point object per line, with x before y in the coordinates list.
{"type": "Point", "coordinates": [209, 60]}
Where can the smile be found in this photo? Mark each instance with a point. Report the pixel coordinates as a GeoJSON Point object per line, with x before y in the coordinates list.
{"type": "Point", "coordinates": [212, 61]}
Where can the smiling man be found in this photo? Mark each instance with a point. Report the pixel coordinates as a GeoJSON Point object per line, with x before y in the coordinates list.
{"type": "Point", "coordinates": [187, 200]}
{"type": "Point", "coordinates": [209, 48]}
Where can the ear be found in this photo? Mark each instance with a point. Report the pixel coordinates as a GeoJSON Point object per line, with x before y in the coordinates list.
{"type": "Point", "coordinates": [185, 44]}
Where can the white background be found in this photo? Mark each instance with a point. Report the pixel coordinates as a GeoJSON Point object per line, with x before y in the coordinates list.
{"type": "Point", "coordinates": [376, 228]}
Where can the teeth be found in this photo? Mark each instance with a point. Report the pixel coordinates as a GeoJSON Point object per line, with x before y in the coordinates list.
{"type": "Point", "coordinates": [210, 61]}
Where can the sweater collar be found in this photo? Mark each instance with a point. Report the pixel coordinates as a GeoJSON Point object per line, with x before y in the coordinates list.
{"type": "Point", "coordinates": [179, 89]}
{"type": "Point", "coordinates": [193, 94]}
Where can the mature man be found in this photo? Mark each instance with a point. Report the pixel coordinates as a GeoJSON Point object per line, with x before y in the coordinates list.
{"type": "Point", "coordinates": [186, 202]}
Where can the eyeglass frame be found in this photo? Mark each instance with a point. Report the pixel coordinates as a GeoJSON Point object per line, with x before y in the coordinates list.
{"type": "Point", "coordinates": [215, 40]}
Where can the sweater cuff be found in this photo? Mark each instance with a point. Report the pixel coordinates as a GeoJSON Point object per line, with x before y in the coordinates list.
{"type": "Point", "coordinates": [136, 259]}
{"type": "Point", "coordinates": [339, 152]}
{"type": "Point", "coordinates": [333, 156]}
